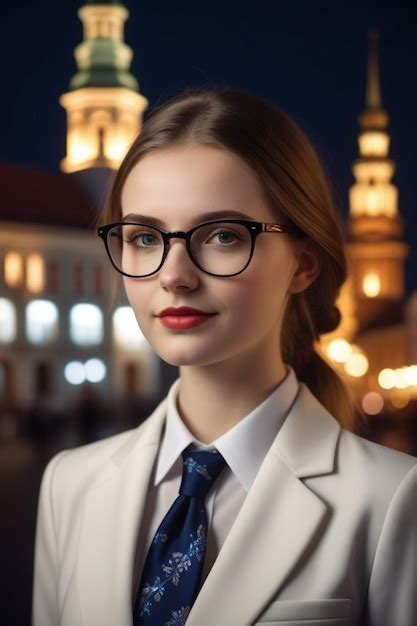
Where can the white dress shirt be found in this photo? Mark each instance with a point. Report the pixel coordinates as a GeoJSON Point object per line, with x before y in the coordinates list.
{"type": "Point", "coordinates": [243, 447]}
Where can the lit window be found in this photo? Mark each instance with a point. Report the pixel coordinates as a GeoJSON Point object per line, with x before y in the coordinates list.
{"type": "Point", "coordinates": [13, 269]}
{"type": "Point", "coordinates": [35, 273]}
{"type": "Point", "coordinates": [126, 331]}
{"type": "Point", "coordinates": [371, 285]}
{"type": "Point", "coordinates": [7, 321]}
{"type": "Point", "coordinates": [41, 321]}
{"type": "Point", "coordinates": [86, 324]}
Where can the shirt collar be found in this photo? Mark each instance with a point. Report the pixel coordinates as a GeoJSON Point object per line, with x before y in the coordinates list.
{"type": "Point", "coordinates": [244, 446]}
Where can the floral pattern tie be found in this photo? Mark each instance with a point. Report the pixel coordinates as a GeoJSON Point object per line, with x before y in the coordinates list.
{"type": "Point", "coordinates": [172, 572]}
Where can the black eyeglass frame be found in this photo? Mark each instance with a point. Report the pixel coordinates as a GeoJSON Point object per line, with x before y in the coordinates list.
{"type": "Point", "coordinates": [254, 228]}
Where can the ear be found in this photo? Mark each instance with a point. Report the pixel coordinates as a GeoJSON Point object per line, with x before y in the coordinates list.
{"type": "Point", "coordinates": [307, 266]}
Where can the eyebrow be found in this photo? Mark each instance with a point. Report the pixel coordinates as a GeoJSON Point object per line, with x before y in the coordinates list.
{"type": "Point", "coordinates": [210, 215]}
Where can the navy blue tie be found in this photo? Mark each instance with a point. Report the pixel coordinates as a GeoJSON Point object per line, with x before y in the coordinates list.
{"type": "Point", "coordinates": [171, 575]}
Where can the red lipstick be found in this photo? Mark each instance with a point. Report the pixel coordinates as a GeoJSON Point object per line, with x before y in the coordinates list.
{"type": "Point", "coordinates": [183, 317]}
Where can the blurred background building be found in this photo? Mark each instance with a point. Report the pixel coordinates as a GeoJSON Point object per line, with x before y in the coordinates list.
{"type": "Point", "coordinates": [60, 330]}
{"type": "Point", "coordinates": [75, 363]}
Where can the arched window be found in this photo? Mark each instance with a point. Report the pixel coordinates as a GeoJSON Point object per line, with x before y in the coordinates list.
{"type": "Point", "coordinates": [86, 325]}
{"type": "Point", "coordinates": [35, 273]}
{"type": "Point", "coordinates": [126, 331]}
{"type": "Point", "coordinates": [7, 321]}
{"type": "Point", "coordinates": [41, 321]}
{"type": "Point", "coordinates": [13, 269]}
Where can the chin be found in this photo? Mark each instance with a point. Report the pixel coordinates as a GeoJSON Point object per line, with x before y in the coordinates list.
{"type": "Point", "coordinates": [179, 361]}
{"type": "Point", "coordinates": [186, 357]}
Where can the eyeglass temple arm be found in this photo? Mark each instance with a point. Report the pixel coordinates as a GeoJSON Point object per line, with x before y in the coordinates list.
{"type": "Point", "coordinates": [280, 228]}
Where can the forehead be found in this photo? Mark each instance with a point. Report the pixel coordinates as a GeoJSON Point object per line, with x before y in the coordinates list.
{"type": "Point", "coordinates": [185, 181]}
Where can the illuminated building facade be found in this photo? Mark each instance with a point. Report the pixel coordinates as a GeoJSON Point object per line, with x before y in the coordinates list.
{"type": "Point", "coordinates": [58, 327]}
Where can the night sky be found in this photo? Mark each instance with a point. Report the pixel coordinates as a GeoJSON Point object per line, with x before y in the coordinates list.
{"type": "Point", "coordinates": [309, 59]}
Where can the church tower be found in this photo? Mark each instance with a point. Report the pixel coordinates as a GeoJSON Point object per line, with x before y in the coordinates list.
{"type": "Point", "coordinates": [104, 107]}
{"type": "Point", "coordinates": [375, 229]}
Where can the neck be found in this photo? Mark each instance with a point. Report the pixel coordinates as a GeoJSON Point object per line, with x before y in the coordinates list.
{"type": "Point", "coordinates": [212, 399]}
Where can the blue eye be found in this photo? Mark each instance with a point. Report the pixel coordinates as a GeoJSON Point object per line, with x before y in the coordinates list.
{"type": "Point", "coordinates": [229, 233]}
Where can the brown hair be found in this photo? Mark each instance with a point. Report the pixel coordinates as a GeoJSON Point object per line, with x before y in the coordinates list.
{"type": "Point", "coordinates": [294, 182]}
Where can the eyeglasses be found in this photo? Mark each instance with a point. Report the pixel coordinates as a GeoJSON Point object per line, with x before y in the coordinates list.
{"type": "Point", "coordinates": [219, 247]}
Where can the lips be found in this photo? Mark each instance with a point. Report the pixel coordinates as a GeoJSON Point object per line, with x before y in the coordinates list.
{"type": "Point", "coordinates": [184, 317]}
{"type": "Point", "coordinates": [183, 310]}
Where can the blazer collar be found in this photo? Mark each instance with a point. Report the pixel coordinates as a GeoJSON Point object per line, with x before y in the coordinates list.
{"type": "Point", "coordinates": [280, 513]}
{"type": "Point", "coordinates": [306, 440]}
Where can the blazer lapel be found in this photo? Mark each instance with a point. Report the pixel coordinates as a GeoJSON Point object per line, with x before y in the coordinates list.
{"type": "Point", "coordinates": [279, 520]}
{"type": "Point", "coordinates": [113, 512]}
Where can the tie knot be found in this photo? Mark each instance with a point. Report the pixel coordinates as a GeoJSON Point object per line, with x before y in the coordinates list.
{"type": "Point", "coordinates": [200, 470]}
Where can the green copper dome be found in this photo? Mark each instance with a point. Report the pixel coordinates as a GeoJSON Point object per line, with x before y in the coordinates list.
{"type": "Point", "coordinates": [103, 61]}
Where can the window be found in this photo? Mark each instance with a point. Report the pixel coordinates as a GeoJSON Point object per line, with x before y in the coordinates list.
{"type": "Point", "coordinates": [35, 273]}
{"type": "Point", "coordinates": [41, 321]}
{"type": "Point", "coordinates": [13, 269]}
{"type": "Point", "coordinates": [126, 331]}
{"type": "Point", "coordinates": [86, 325]}
{"type": "Point", "coordinates": [7, 321]}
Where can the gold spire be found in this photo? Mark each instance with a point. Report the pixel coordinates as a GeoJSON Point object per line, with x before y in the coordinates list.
{"type": "Point", "coordinates": [374, 117]}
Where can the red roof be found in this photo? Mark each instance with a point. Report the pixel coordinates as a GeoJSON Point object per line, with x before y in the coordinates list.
{"type": "Point", "coordinates": [42, 197]}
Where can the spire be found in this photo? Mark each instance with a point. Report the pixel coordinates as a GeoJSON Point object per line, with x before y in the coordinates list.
{"type": "Point", "coordinates": [373, 88]}
{"type": "Point", "coordinates": [374, 116]}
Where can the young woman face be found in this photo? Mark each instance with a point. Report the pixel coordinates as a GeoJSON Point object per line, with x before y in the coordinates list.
{"type": "Point", "coordinates": [176, 185]}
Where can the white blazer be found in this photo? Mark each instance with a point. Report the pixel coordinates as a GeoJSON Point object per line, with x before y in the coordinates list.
{"type": "Point", "coordinates": [326, 535]}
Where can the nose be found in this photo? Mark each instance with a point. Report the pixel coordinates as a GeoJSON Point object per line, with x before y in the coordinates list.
{"type": "Point", "coordinates": [178, 269]}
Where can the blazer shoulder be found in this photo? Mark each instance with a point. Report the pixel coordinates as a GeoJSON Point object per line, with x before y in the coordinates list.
{"type": "Point", "coordinates": [73, 470]}
{"type": "Point", "coordinates": [383, 468]}
{"type": "Point", "coordinates": [378, 454]}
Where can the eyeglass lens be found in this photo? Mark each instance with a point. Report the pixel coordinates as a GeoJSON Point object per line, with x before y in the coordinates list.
{"type": "Point", "coordinates": [220, 249]}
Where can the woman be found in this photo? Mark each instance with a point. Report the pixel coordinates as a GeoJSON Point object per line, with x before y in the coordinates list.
{"type": "Point", "coordinates": [243, 498]}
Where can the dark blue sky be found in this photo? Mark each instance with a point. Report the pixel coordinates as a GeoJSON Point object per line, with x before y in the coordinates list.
{"type": "Point", "coordinates": [308, 59]}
